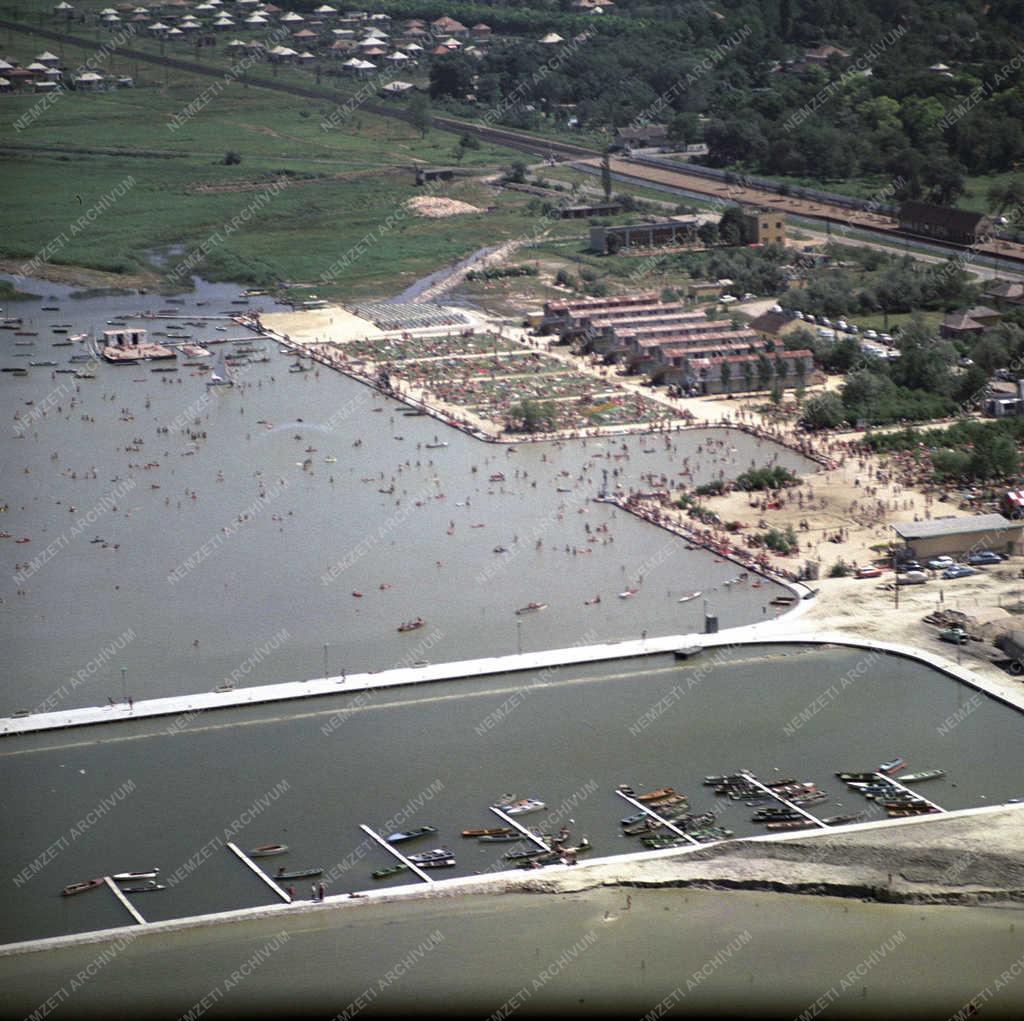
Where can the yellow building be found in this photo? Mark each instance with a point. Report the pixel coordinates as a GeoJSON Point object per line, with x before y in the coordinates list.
{"type": "Point", "coordinates": [764, 226]}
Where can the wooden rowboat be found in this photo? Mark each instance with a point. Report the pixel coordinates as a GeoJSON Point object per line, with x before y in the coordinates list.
{"type": "Point", "coordinates": [88, 884]}
{"type": "Point", "coordinates": [266, 850]}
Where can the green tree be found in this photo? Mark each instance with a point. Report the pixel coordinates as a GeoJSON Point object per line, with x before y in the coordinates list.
{"type": "Point", "coordinates": [764, 371]}
{"type": "Point", "coordinates": [731, 228]}
{"type": "Point", "coordinates": [452, 76]}
{"type": "Point", "coordinates": [726, 375]}
{"type": "Point", "coordinates": [748, 376]}
{"type": "Point", "coordinates": [823, 411]}
{"type": "Point", "coordinates": [606, 174]}
{"type": "Point", "coordinates": [419, 113]}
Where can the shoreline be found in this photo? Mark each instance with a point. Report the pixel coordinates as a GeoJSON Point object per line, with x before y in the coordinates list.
{"type": "Point", "coordinates": [936, 846]}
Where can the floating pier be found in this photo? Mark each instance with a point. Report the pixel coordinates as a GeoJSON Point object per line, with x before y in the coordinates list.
{"type": "Point", "coordinates": [398, 854]}
{"type": "Point", "coordinates": [654, 815]}
{"type": "Point", "coordinates": [128, 906]}
{"type": "Point", "coordinates": [785, 801]}
{"type": "Point", "coordinates": [505, 817]}
{"type": "Point", "coordinates": [283, 894]}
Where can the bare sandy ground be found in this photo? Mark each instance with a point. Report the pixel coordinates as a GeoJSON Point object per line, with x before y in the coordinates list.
{"type": "Point", "coordinates": [333, 324]}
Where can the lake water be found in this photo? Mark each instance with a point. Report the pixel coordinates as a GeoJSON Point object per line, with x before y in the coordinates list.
{"type": "Point", "coordinates": [307, 773]}
{"type": "Point", "coordinates": [278, 550]}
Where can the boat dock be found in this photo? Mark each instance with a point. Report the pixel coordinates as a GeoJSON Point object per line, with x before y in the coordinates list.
{"type": "Point", "coordinates": [654, 815]}
{"type": "Point", "coordinates": [398, 854]}
{"type": "Point", "coordinates": [128, 906]}
{"type": "Point", "coordinates": [245, 859]}
{"type": "Point", "coordinates": [907, 790]}
{"type": "Point", "coordinates": [505, 817]}
{"type": "Point", "coordinates": [792, 806]}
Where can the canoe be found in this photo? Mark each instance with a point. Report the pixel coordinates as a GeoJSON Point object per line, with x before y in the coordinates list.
{"type": "Point", "coordinates": [689, 595]}
{"type": "Point", "coordinates": [131, 877]}
{"type": "Point", "coordinates": [297, 873]}
{"type": "Point", "coordinates": [419, 831]}
{"type": "Point", "coordinates": [921, 775]}
{"type": "Point", "coordinates": [88, 884]}
{"type": "Point", "coordinates": [266, 850]}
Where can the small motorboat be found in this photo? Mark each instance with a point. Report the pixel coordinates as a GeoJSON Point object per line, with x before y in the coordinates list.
{"type": "Point", "coordinates": [686, 597]}
{"type": "Point", "coordinates": [530, 607]}
{"type": "Point", "coordinates": [412, 625]}
{"type": "Point", "coordinates": [501, 838]}
{"type": "Point", "coordinates": [434, 854]}
{"type": "Point", "coordinates": [283, 875]}
{"type": "Point", "coordinates": [88, 884]}
{"type": "Point", "coordinates": [266, 850]}
{"type": "Point", "coordinates": [419, 831]}
{"type": "Point", "coordinates": [435, 446]}
{"type": "Point", "coordinates": [892, 766]}
{"type": "Point", "coordinates": [500, 549]}
{"type": "Point", "coordinates": [525, 805]}
{"type": "Point", "coordinates": [493, 831]}
{"type": "Point", "coordinates": [151, 887]}
{"type": "Point", "coordinates": [436, 863]}
{"type": "Point", "coordinates": [629, 593]}
{"type": "Point", "coordinates": [131, 877]}
{"type": "Point", "coordinates": [592, 602]}
{"type": "Point", "coordinates": [358, 595]}
{"type": "Point", "coordinates": [497, 477]}
{"type": "Point", "coordinates": [330, 460]}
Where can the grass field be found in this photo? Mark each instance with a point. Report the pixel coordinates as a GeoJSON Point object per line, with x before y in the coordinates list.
{"type": "Point", "coordinates": [346, 186]}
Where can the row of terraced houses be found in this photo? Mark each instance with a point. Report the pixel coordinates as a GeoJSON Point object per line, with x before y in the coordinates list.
{"type": "Point", "coordinates": [674, 344]}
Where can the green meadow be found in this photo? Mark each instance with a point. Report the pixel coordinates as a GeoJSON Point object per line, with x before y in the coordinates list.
{"type": "Point", "coordinates": [288, 203]}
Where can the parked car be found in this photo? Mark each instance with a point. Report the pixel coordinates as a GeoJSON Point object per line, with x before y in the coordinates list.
{"type": "Point", "coordinates": [958, 571]}
{"type": "Point", "coordinates": [909, 565]}
{"type": "Point", "coordinates": [941, 563]}
{"type": "Point", "coordinates": [985, 557]}
{"type": "Point", "coordinates": [797, 314]}
{"type": "Point", "coordinates": [966, 362]}
{"type": "Point", "coordinates": [885, 338]}
{"type": "Point", "coordinates": [955, 635]}
{"type": "Point", "coordinates": [809, 319]}
{"type": "Point", "coordinates": [911, 578]}
{"type": "Point", "coordinates": [852, 329]}
{"type": "Point", "coordinates": [868, 572]}
{"type": "Point", "coordinates": [871, 335]}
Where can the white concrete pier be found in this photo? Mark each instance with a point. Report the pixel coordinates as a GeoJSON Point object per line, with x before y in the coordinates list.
{"type": "Point", "coordinates": [245, 859]}
{"type": "Point", "coordinates": [654, 815]}
{"type": "Point", "coordinates": [119, 894]}
{"type": "Point", "coordinates": [528, 834]}
{"type": "Point", "coordinates": [785, 801]}
{"type": "Point", "coordinates": [412, 866]}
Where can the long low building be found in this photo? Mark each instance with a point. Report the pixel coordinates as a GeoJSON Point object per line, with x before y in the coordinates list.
{"type": "Point", "coordinates": [954, 536]}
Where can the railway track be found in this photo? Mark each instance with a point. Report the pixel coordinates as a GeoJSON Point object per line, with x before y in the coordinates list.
{"type": "Point", "coordinates": [545, 148]}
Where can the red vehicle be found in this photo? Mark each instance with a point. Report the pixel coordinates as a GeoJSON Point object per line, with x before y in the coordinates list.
{"type": "Point", "coordinates": [868, 572]}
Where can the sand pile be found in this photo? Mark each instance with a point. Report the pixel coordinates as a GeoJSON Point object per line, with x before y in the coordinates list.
{"type": "Point", "coordinates": [429, 205]}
